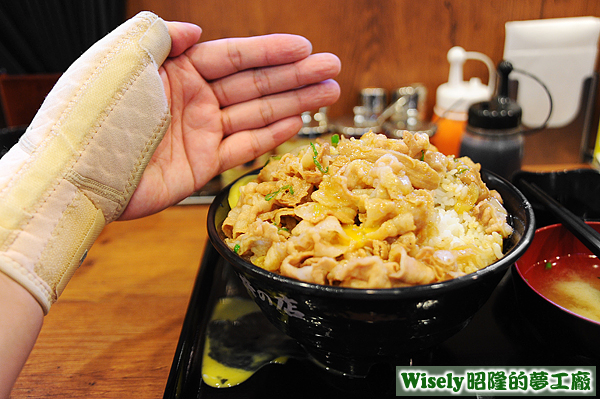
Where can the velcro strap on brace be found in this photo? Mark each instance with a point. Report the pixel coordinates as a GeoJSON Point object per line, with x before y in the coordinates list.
{"type": "Point", "coordinates": [77, 165]}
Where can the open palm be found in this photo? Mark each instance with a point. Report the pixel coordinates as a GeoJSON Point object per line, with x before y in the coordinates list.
{"type": "Point", "coordinates": [231, 100]}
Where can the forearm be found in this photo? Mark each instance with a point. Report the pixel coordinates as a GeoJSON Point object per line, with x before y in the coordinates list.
{"type": "Point", "coordinates": [73, 172]}
{"type": "Point", "coordinates": [77, 165]}
{"type": "Point", "coordinates": [20, 322]}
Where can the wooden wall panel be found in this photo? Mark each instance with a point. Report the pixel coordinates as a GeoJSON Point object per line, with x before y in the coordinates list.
{"type": "Point", "coordinates": [383, 43]}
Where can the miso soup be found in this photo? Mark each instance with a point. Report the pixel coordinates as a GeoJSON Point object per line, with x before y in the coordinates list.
{"type": "Point", "coordinates": [571, 281]}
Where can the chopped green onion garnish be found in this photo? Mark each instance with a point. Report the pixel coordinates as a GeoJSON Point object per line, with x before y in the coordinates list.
{"type": "Point", "coordinates": [280, 228]}
{"type": "Point", "coordinates": [317, 163]}
{"type": "Point", "coordinates": [275, 157]}
{"type": "Point", "coordinates": [236, 249]}
{"type": "Point", "coordinates": [335, 139]}
{"type": "Point", "coordinates": [548, 266]}
{"type": "Point", "coordinates": [422, 155]}
{"type": "Point", "coordinates": [272, 195]}
{"type": "Point", "coordinates": [463, 170]}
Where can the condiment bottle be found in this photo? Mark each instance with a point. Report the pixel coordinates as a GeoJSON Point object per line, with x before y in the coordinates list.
{"type": "Point", "coordinates": [596, 156]}
{"type": "Point", "coordinates": [315, 124]}
{"type": "Point", "coordinates": [372, 103]}
{"type": "Point", "coordinates": [405, 112]}
{"type": "Point", "coordinates": [454, 98]}
{"type": "Point", "coordinates": [493, 135]}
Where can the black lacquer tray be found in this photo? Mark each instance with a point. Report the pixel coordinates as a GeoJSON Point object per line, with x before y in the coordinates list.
{"type": "Point", "coordinates": [496, 336]}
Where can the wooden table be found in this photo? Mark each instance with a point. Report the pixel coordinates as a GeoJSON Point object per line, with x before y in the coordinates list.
{"type": "Point", "coordinates": [114, 331]}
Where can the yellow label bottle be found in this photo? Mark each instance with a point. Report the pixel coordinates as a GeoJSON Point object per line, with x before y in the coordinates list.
{"type": "Point", "coordinates": [596, 159]}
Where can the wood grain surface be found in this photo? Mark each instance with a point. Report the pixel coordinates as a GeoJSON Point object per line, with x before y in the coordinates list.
{"type": "Point", "coordinates": [391, 43]}
{"type": "Point", "coordinates": [384, 43]}
{"type": "Point", "coordinates": [114, 331]}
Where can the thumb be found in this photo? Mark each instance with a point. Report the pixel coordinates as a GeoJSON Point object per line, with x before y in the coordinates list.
{"type": "Point", "coordinates": [183, 36]}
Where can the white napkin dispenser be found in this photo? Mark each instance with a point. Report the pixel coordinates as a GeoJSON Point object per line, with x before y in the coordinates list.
{"type": "Point", "coordinates": [561, 52]}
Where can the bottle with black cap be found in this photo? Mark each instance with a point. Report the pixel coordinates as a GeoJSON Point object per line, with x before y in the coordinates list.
{"type": "Point", "coordinates": [493, 135]}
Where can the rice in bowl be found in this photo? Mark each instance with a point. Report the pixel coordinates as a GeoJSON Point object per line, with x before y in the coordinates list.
{"type": "Point", "coordinates": [368, 213]}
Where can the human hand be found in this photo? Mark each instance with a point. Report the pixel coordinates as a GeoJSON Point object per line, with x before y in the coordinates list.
{"type": "Point", "coordinates": [231, 101]}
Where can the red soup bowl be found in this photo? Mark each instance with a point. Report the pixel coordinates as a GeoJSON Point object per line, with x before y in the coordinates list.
{"type": "Point", "coordinates": [557, 284]}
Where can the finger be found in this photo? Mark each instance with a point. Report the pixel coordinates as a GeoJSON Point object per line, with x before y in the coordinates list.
{"type": "Point", "coordinates": [259, 82]}
{"type": "Point", "coordinates": [250, 144]}
{"type": "Point", "coordinates": [183, 36]}
{"type": "Point", "coordinates": [218, 58]}
{"type": "Point", "coordinates": [266, 110]}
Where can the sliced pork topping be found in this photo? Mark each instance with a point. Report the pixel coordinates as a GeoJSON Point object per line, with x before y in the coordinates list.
{"type": "Point", "coordinates": [368, 213]}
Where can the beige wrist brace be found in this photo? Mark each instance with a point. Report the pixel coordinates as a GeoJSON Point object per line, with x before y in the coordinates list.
{"type": "Point", "coordinates": [77, 165]}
